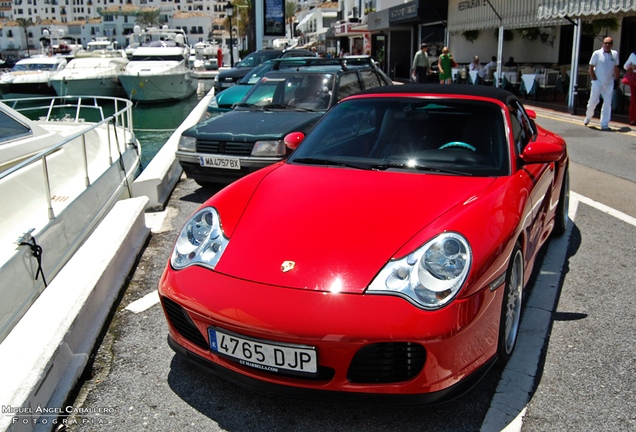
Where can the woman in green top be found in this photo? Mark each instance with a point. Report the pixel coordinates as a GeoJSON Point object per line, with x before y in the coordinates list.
{"type": "Point", "coordinates": [444, 65]}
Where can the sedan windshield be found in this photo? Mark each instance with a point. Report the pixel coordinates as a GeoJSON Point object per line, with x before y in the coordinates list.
{"type": "Point", "coordinates": [294, 91]}
{"type": "Point", "coordinates": [449, 136]}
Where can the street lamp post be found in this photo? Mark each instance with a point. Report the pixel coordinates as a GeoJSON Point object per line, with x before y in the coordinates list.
{"type": "Point", "coordinates": [229, 9]}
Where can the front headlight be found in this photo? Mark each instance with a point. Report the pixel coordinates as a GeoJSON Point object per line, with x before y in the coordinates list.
{"type": "Point", "coordinates": [269, 148]}
{"type": "Point", "coordinates": [187, 143]}
{"type": "Point", "coordinates": [213, 103]}
{"type": "Point", "coordinates": [431, 276]}
{"type": "Point", "coordinates": [201, 241]}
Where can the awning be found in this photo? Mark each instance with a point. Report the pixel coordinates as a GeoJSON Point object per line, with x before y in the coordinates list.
{"type": "Point", "coordinates": [466, 15]}
{"type": "Point", "coordinates": [549, 9]}
{"type": "Point", "coordinates": [304, 20]}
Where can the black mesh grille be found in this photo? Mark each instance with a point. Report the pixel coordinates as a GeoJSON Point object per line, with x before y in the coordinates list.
{"type": "Point", "coordinates": [182, 322]}
{"type": "Point", "coordinates": [387, 362]}
{"type": "Point", "coordinates": [225, 147]}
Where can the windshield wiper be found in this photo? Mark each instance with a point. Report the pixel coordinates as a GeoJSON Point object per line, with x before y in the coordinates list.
{"type": "Point", "coordinates": [275, 106]}
{"type": "Point", "coordinates": [419, 167]}
{"type": "Point", "coordinates": [246, 105]}
{"type": "Point", "coordinates": [317, 161]}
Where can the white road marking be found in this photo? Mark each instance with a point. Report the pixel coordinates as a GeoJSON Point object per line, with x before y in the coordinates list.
{"type": "Point", "coordinates": [144, 303]}
{"type": "Point", "coordinates": [509, 404]}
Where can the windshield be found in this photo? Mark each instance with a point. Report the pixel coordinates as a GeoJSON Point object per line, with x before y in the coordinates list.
{"type": "Point", "coordinates": [298, 91]}
{"type": "Point", "coordinates": [455, 136]}
{"type": "Point", "coordinates": [258, 57]}
{"type": "Point", "coordinates": [34, 67]}
{"type": "Point", "coordinates": [255, 74]}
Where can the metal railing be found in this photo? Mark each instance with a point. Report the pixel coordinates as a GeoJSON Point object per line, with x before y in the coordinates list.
{"type": "Point", "coordinates": [57, 109]}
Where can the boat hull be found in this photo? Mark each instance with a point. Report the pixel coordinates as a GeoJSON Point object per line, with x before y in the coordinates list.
{"type": "Point", "coordinates": [27, 88]}
{"type": "Point", "coordinates": [100, 86]}
{"type": "Point", "coordinates": [158, 88]}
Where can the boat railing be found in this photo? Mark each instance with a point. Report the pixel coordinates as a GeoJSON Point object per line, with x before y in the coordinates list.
{"type": "Point", "coordinates": [77, 109]}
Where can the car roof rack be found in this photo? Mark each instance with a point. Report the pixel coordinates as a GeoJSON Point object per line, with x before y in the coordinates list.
{"type": "Point", "coordinates": [343, 62]}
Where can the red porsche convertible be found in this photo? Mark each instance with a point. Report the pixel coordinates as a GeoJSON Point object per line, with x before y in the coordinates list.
{"type": "Point", "coordinates": [384, 261]}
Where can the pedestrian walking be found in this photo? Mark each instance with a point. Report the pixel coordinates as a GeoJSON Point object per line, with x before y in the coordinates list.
{"type": "Point", "coordinates": [421, 67]}
{"type": "Point", "coordinates": [630, 66]}
{"type": "Point", "coordinates": [445, 65]}
{"type": "Point", "coordinates": [603, 72]}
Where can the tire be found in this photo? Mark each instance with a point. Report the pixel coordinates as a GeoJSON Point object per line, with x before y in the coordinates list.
{"type": "Point", "coordinates": [561, 216]}
{"type": "Point", "coordinates": [511, 307]}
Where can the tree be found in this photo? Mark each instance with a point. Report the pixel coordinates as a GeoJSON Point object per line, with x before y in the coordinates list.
{"type": "Point", "coordinates": [149, 18]}
{"type": "Point", "coordinates": [290, 15]}
{"type": "Point", "coordinates": [25, 24]}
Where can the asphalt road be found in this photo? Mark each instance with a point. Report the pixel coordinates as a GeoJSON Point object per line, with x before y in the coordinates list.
{"type": "Point", "coordinates": [584, 379]}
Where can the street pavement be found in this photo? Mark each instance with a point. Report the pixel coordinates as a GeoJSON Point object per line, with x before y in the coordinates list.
{"type": "Point", "coordinates": [582, 377]}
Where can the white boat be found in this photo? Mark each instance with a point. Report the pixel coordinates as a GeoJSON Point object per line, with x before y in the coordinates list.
{"type": "Point", "coordinates": [159, 68]}
{"type": "Point", "coordinates": [54, 199]}
{"type": "Point", "coordinates": [93, 72]}
{"type": "Point", "coordinates": [204, 56]}
{"type": "Point", "coordinates": [30, 76]}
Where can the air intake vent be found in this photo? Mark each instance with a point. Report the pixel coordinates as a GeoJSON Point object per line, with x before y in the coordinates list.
{"type": "Point", "coordinates": [387, 362]}
{"type": "Point", "coordinates": [225, 147]}
{"type": "Point", "coordinates": [182, 322]}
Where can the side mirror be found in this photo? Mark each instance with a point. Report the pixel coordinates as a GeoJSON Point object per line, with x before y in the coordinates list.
{"type": "Point", "coordinates": [531, 114]}
{"type": "Point", "coordinates": [293, 139]}
{"type": "Point", "coordinates": [542, 152]}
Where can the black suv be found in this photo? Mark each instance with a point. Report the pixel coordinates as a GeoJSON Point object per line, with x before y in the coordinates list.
{"type": "Point", "coordinates": [227, 147]}
{"type": "Point", "coordinates": [228, 78]}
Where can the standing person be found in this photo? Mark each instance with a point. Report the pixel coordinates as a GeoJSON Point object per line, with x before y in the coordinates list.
{"type": "Point", "coordinates": [631, 66]}
{"type": "Point", "coordinates": [444, 64]}
{"type": "Point", "coordinates": [603, 72]}
{"type": "Point", "coordinates": [420, 65]}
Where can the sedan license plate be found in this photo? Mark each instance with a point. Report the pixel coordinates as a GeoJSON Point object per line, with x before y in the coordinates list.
{"type": "Point", "coordinates": [265, 355]}
{"type": "Point", "coordinates": [221, 162]}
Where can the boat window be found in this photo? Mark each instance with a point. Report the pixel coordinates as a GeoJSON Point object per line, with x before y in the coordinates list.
{"type": "Point", "coordinates": [34, 67]}
{"type": "Point", "coordinates": [11, 129]}
{"type": "Point", "coordinates": [176, 58]}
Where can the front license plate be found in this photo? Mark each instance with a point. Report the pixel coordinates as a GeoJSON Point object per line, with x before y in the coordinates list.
{"type": "Point", "coordinates": [221, 162]}
{"type": "Point", "coordinates": [265, 355]}
{"type": "Point", "coordinates": [227, 84]}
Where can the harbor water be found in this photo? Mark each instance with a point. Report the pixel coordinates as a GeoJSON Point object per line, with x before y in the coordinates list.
{"type": "Point", "coordinates": [154, 123]}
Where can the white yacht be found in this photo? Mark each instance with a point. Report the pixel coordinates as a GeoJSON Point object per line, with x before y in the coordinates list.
{"type": "Point", "coordinates": [92, 72]}
{"type": "Point", "coordinates": [159, 68]}
{"type": "Point", "coordinates": [30, 76]}
{"type": "Point", "coordinates": [86, 158]}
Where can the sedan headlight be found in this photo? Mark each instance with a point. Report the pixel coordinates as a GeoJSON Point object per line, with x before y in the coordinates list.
{"type": "Point", "coordinates": [201, 241]}
{"type": "Point", "coordinates": [187, 143]}
{"type": "Point", "coordinates": [269, 148]}
{"type": "Point", "coordinates": [213, 103]}
{"type": "Point", "coordinates": [431, 276]}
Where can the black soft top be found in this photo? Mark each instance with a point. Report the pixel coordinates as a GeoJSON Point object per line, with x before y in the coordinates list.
{"type": "Point", "coordinates": [453, 89]}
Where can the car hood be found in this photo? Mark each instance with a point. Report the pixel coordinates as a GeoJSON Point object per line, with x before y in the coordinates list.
{"type": "Point", "coordinates": [249, 126]}
{"type": "Point", "coordinates": [232, 95]}
{"type": "Point", "coordinates": [338, 226]}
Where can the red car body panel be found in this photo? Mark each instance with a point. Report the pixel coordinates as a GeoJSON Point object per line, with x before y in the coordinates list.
{"type": "Point", "coordinates": [352, 233]}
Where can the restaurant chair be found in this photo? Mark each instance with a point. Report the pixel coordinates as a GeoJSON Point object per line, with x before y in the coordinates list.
{"type": "Point", "coordinates": [548, 81]}
{"type": "Point", "coordinates": [490, 76]}
{"type": "Point", "coordinates": [583, 85]}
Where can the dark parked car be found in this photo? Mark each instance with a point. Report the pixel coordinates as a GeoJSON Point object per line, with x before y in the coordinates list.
{"type": "Point", "coordinates": [227, 147]}
{"type": "Point", "coordinates": [227, 99]}
{"type": "Point", "coordinates": [228, 78]}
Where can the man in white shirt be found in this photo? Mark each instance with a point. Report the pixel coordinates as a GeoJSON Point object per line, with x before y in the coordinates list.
{"type": "Point", "coordinates": [603, 72]}
{"type": "Point", "coordinates": [493, 64]}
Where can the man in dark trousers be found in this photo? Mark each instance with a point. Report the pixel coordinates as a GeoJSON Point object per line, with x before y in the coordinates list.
{"type": "Point", "coordinates": [421, 67]}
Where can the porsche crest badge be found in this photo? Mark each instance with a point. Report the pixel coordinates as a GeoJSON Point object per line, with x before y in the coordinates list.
{"type": "Point", "coordinates": [287, 266]}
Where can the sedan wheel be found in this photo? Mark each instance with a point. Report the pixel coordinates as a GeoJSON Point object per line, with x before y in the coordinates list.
{"type": "Point", "coordinates": [511, 307]}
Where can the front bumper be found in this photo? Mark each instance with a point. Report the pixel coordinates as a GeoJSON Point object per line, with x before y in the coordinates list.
{"type": "Point", "coordinates": [191, 164]}
{"type": "Point", "coordinates": [460, 340]}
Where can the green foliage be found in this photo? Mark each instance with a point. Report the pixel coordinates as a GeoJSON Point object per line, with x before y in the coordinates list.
{"type": "Point", "coordinates": [471, 35]}
{"type": "Point", "coordinates": [508, 35]}
{"type": "Point", "coordinates": [150, 18]}
{"type": "Point", "coordinates": [598, 26]}
{"type": "Point", "coordinates": [530, 33]}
